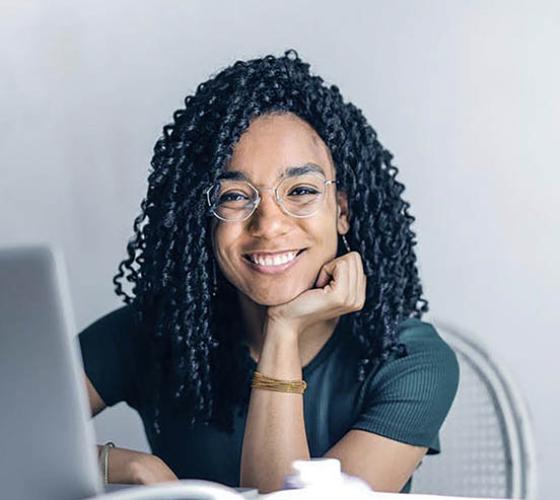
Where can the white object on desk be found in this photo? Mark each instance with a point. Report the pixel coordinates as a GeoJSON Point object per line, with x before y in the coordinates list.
{"type": "Point", "coordinates": [327, 474]}
{"type": "Point", "coordinates": [187, 489]}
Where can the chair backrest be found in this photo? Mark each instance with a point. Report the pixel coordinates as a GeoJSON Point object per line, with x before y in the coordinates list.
{"type": "Point", "coordinates": [486, 440]}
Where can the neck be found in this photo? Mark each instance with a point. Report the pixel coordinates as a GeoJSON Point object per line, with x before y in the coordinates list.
{"type": "Point", "coordinates": [254, 317]}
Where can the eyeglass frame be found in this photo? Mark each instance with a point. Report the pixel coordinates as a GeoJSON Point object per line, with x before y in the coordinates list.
{"type": "Point", "coordinates": [256, 203]}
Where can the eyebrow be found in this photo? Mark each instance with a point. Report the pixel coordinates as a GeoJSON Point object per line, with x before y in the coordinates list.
{"type": "Point", "coordinates": [236, 175]}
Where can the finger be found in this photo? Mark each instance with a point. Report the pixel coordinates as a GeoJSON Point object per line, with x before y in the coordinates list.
{"type": "Point", "coordinates": [342, 282]}
{"type": "Point", "coordinates": [357, 282]}
{"type": "Point", "coordinates": [323, 278]}
{"type": "Point", "coordinates": [337, 278]}
{"type": "Point", "coordinates": [326, 274]}
{"type": "Point", "coordinates": [353, 283]}
{"type": "Point", "coordinates": [349, 277]}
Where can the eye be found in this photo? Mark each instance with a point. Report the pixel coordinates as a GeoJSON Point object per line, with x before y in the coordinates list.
{"type": "Point", "coordinates": [232, 196]}
{"type": "Point", "coordinates": [303, 190]}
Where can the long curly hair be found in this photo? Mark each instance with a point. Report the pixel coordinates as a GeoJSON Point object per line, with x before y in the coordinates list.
{"type": "Point", "coordinates": [198, 358]}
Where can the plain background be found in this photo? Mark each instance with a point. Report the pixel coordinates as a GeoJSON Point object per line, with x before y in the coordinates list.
{"type": "Point", "coordinates": [464, 94]}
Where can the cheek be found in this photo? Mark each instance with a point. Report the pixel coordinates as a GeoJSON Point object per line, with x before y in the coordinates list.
{"type": "Point", "coordinates": [226, 248]}
{"type": "Point", "coordinates": [325, 240]}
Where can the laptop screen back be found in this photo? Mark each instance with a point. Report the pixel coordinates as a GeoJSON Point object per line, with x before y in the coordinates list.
{"type": "Point", "coordinates": [47, 438]}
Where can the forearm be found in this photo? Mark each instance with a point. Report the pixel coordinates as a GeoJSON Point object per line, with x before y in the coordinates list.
{"type": "Point", "coordinates": [135, 467]}
{"type": "Point", "coordinates": [275, 431]}
{"type": "Point", "coordinates": [121, 464]}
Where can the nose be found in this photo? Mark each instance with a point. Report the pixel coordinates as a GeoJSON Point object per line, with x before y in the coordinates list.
{"type": "Point", "coordinates": [269, 221]}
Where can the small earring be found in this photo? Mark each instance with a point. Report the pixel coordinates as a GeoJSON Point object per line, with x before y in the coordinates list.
{"type": "Point", "coordinates": [346, 243]}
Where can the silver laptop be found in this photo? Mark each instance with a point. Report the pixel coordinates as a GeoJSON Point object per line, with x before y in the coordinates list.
{"type": "Point", "coordinates": [47, 447]}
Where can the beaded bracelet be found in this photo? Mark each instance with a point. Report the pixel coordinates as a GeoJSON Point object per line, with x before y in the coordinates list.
{"type": "Point", "coordinates": [261, 381]}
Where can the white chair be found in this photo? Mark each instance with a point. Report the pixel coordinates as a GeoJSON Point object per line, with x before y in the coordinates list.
{"type": "Point", "coordinates": [487, 444]}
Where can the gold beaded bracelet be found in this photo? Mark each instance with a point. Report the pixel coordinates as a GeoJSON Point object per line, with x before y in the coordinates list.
{"type": "Point", "coordinates": [261, 381]}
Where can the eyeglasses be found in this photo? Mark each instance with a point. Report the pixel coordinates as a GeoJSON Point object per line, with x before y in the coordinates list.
{"type": "Point", "coordinates": [299, 196]}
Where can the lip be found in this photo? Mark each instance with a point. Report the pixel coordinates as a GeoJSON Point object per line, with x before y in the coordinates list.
{"type": "Point", "coordinates": [274, 269]}
{"type": "Point", "coordinates": [275, 252]}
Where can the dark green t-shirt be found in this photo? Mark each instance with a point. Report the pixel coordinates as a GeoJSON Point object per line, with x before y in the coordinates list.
{"type": "Point", "coordinates": [405, 399]}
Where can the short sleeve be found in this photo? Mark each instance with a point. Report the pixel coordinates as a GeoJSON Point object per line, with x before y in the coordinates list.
{"type": "Point", "coordinates": [407, 399]}
{"type": "Point", "coordinates": [110, 356]}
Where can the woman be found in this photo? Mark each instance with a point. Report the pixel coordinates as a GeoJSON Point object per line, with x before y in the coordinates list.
{"type": "Point", "coordinates": [273, 247]}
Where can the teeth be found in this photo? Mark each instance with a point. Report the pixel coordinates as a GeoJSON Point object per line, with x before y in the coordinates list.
{"type": "Point", "coordinates": [275, 260]}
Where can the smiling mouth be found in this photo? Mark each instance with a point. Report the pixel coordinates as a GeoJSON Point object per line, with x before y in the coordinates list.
{"type": "Point", "coordinates": [273, 263]}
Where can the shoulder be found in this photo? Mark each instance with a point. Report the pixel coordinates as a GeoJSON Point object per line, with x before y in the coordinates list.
{"type": "Point", "coordinates": [430, 364]}
{"type": "Point", "coordinates": [117, 333]}
{"type": "Point", "coordinates": [408, 398]}
{"type": "Point", "coordinates": [112, 349]}
{"type": "Point", "coordinates": [119, 326]}
{"type": "Point", "coordinates": [118, 319]}
{"type": "Point", "coordinates": [421, 337]}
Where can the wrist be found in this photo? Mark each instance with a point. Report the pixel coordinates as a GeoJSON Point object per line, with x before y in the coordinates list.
{"type": "Point", "coordinates": [138, 468]}
{"type": "Point", "coordinates": [281, 329]}
{"type": "Point", "coordinates": [280, 352]}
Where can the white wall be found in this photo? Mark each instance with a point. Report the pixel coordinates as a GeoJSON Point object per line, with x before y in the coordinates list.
{"type": "Point", "coordinates": [465, 94]}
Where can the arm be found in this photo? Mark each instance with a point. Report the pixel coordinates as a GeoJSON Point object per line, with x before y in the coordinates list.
{"type": "Point", "coordinates": [96, 404]}
{"type": "Point", "coordinates": [385, 464]}
{"type": "Point", "coordinates": [274, 431]}
{"type": "Point", "coordinates": [129, 466]}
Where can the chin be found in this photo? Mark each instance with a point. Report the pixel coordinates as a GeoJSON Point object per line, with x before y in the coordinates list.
{"type": "Point", "coordinates": [269, 302]}
{"type": "Point", "coordinates": [275, 297]}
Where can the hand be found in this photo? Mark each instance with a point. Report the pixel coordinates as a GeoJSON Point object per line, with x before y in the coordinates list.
{"type": "Point", "coordinates": [340, 289]}
{"type": "Point", "coordinates": [135, 467]}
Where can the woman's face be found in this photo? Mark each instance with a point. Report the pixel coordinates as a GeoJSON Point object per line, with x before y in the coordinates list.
{"type": "Point", "coordinates": [271, 144]}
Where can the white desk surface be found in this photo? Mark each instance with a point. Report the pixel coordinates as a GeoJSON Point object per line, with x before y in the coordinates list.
{"type": "Point", "coordinates": [177, 490]}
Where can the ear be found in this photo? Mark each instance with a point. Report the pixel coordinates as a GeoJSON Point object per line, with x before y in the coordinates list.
{"type": "Point", "coordinates": [343, 216]}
